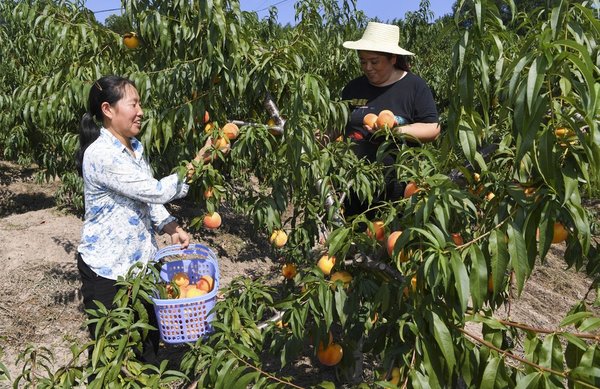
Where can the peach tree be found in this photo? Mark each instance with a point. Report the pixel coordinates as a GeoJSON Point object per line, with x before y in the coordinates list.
{"type": "Point", "coordinates": [518, 156]}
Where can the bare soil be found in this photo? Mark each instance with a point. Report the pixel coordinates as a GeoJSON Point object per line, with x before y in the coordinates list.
{"type": "Point", "coordinates": [41, 305]}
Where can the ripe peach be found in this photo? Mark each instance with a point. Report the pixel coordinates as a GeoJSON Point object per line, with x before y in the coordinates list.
{"type": "Point", "coordinates": [341, 275]}
{"type": "Point", "coordinates": [278, 238]}
{"type": "Point", "coordinates": [395, 376]}
{"type": "Point", "coordinates": [195, 292]}
{"type": "Point", "coordinates": [386, 119]}
{"type": "Point", "coordinates": [208, 127]}
{"type": "Point", "coordinates": [457, 239]}
{"type": "Point", "coordinates": [208, 193]}
{"type": "Point", "coordinates": [562, 132]}
{"type": "Point", "coordinates": [560, 233]}
{"type": "Point", "coordinates": [411, 189]}
{"type": "Point", "coordinates": [379, 229]}
{"type": "Point", "coordinates": [289, 270]}
{"type": "Point", "coordinates": [205, 283]}
{"type": "Point", "coordinates": [183, 291]}
{"type": "Point", "coordinates": [413, 287]}
{"type": "Point", "coordinates": [370, 120]}
{"type": "Point", "coordinates": [212, 220]}
{"type": "Point", "coordinates": [391, 241]}
{"type": "Point", "coordinates": [326, 263]}
{"type": "Point", "coordinates": [130, 40]}
{"type": "Point", "coordinates": [231, 131]}
{"type": "Point", "coordinates": [221, 143]}
{"type": "Point", "coordinates": [181, 279]}
{"type": "Point", "coordinates": [330, 355]}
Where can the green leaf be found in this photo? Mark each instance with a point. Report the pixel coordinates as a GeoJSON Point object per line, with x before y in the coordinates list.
{"type": "Point", "coordinates": [535, 79]}
{"type": "Point", "coordinates": [574, 351]}
{"type": "Point", "coordinates": [546, 161]}
{"type": "Point", "coordinates": [531, 380]}
{"type": "Point", "coordinates": [327, 385]}
{"type": "Point", "coordinates": [490, 374]}
{"type": "Point", "coordinates": [478, 276]}
{"type": "Point", "coordinates": [589, 324]}
{"type": "Point", "coordinates": [499, 257]}
{"type": "Point", "coordinates": [418, 380]}
{"type": "Point", "coordinates": [444, 340]}
{"type": "Point", "coordinates": [575, 318]}
{"type": "Point", "coordinates": [461, 279]}
{"type": "Point", "coordinates": [467, 141]}
{"type": "Point", "coordinates": [340, 302]}
{"type": "Point", "coordinates": [586, 374]}
{"type": "Point", "coordinates": [551, 355]}
{"type": "Point", "coordinates": [337, 239]}
{"type": "Point", "coordinates": [518, 256]}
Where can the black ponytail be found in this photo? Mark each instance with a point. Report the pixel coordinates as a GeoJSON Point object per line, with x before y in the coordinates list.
{"type": "Point", "coordinates": [88, 133]}
{"type": "Point", "coordinates": [403, 62]}
{"type": "Point", "coordinates": [108, 89]}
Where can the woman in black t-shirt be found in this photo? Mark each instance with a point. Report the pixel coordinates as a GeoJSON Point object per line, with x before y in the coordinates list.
{"type": "Point", "coordinates": [387, 84]}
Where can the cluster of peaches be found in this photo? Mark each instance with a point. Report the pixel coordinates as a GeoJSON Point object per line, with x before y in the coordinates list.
{"type": "Point", "coordinates": [385, 119]}
{"type": "Point", "coordinates": [220, 140]}
{"type": "Point", "coordinates": [375, 122]}
{"type": "Point", "coordinates": [180, 286]}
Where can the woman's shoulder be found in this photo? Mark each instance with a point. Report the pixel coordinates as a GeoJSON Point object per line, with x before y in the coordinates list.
{"type": "Point", "coordinates": [414, 79]}
{"type": "Point", "coordinates": [356, 85]}
{"type": "Point", "coordinates": [362, 80]}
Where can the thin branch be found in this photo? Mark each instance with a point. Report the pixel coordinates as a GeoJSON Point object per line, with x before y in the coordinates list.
{"type": "Point", "coordinates": [547, 331]}
{"type": "Point", "coordinates": [510, 290]}
{"type": "Point", "coordinates": [361, 259]}
{"type": "Point", "coordinates": [489, 232]}
{"type": "Point", "coordinates": [412, 365]}
{"type": "Point", "coordinates": [538, 330]}
{"type": "Point", "coordinates": [564, 374]}
{"type": "Point", "coordinates": [274, 378]}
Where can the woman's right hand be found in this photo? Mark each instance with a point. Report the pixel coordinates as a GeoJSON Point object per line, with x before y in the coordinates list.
{"type": "Point", "coordinates": [203, 155]}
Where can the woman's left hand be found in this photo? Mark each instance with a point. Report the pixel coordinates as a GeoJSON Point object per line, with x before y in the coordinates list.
{"type": "Point", "coordinates": [181, 238]}
{"type": "Point", "coordinates": [178, 234]}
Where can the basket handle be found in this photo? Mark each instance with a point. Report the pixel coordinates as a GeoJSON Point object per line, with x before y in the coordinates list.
{"type": "Point", "coordinates": [193, 249]}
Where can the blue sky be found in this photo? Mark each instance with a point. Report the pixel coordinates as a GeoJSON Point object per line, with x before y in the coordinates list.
{"type": "Point", "coordinates": [382, 9]}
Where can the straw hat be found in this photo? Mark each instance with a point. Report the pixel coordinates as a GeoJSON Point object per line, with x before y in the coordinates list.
{"type": "Point", "coordinates": [379, 37]}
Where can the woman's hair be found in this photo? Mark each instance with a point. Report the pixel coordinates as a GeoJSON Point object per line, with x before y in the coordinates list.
{"type": "Point", "coordinates": [108, 89]}
{"type": "Point", "coordinates": [402, 61]}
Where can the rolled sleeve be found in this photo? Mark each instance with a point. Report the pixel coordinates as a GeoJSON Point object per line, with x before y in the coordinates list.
{"type": "Point", "coordinates": [162, 221]}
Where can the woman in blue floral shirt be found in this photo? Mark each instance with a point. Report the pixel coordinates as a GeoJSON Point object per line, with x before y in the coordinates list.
{"type": "Point", "coordinates": [123, 201]}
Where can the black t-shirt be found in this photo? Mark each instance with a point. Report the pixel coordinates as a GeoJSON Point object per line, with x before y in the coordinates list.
{"type": "Point", "coordinates": [409, 98]}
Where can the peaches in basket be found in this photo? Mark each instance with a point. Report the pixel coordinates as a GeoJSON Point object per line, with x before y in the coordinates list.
{"type": "Point", "coordinates": [180, 286]}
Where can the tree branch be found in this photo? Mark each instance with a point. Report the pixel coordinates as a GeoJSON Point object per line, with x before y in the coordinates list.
{"type": "Point", "coordinates": [363, 260]}
{"type": "Point", "coordinates": [564, 374]}
{"type": "Point", "coordinates": [270, 376]}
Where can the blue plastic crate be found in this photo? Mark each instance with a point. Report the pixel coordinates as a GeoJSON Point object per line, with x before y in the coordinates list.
{"type": "Point", "coordinates": [188, 319]}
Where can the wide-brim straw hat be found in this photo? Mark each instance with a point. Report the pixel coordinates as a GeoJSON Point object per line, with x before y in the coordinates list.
{"type": "Point", "coordinates": [379, 37]}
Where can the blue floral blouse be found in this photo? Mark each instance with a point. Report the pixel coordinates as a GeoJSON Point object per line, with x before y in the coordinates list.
{"type": "Point", "coordinates": [123, 206]}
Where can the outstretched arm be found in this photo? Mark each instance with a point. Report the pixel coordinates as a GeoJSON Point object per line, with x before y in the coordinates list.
{"type": "Point", "coordinates": [425, 132]}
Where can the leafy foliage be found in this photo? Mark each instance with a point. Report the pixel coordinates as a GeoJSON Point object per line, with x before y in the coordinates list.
{"type": "Point", "coordinates": [510, 88]}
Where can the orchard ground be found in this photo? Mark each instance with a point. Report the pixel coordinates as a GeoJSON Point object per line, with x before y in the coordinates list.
{"type": "Point", "coordinates": [40, 303]}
